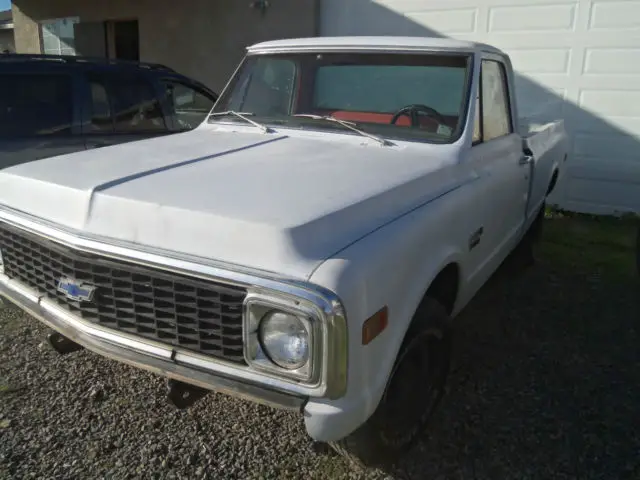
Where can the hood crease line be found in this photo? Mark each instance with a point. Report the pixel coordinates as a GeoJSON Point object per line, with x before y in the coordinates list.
{"type": "Point", "coordinates": [135, 176]}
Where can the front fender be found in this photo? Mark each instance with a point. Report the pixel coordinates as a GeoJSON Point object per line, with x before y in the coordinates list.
{"type": "Point", "coordinates": [393, 267]}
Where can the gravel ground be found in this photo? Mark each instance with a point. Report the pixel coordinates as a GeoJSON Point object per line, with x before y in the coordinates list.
{"type": "Point", "coordinates": [546, 385]}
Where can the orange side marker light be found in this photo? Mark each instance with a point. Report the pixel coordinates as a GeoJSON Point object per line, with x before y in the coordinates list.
{"type": "Point", "coordinates": [374, 325]}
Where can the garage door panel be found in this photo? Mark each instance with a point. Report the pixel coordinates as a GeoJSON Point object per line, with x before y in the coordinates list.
{"type": "Point", "coordinates": [412, 6]}
{"type": "Point", "coordinates": [539, 103]}
{"type": "Point", "coordinates": [541, 60]}
{"type": "Point", "coordinates": [618, 146]}
{"type": "Point", "coordinates": [613, 87]}
{"type": "Point", "coordinates": [577, 41]}
{"type": "Point", "coordinates": [532, 17]}
{"type": "Point", "coordinates": [593, 124]}
{"type": "Point", "coordinates": [607, 39]}
{"type": "Point", "coordinates": [614, 15]}
{"type": "Point", "coordinates": [604, 102]}
{"type": "Point", "coordinates": [456, 21]}
{"type": "Point", "coordinates": [612, 61]}
{"type": "Point", "coordinates": [600, 196]}
{"type": "Point", "coordinates": [405, 6]}
{"type": "Point", "coordinates": [593, 184]}
{"type": "Point", "coordinates": [550, 82]}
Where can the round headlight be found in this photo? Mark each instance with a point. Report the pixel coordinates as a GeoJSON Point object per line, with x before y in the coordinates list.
{"type": "Point", "coordinates": [285, 340]}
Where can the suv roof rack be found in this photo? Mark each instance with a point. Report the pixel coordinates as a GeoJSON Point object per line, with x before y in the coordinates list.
{"type": "Point", "coordinates": [81, 60]}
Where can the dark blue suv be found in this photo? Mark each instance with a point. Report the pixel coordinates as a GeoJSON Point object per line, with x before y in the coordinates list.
{"type": "Point", "coordinates": [52, 105]}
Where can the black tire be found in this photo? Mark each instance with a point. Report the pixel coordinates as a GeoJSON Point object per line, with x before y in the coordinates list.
{"type": "Point", "coordinates": [413, 391]}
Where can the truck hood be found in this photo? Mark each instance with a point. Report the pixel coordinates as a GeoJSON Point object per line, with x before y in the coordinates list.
{"type": "Point", "coordinates": [274, 202]}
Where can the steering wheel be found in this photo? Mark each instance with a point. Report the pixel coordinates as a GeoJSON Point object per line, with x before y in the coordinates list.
{"type": "Point", "coordinates": [414, 111]}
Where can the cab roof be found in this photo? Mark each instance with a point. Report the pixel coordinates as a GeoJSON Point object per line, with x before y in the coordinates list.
{"type": "Point", "coordinates": [373, 43]}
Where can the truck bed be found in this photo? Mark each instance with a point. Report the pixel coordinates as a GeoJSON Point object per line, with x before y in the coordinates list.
{"type": "Point", "coordinates": [547, 144]}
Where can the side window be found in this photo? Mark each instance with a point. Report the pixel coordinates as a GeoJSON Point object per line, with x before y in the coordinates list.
{"type": "Point", "coordinates": [190, 106]}
{"type": "Point", "coordinates": [101, 118]}
{"type": "Point", "coordinates": [35, 105]}
{"type": "Point", "coordinates": [124, 105]}
{"type": "Point", "coordinates": [135, 107]}
{"type": "Point", "coordinates": [496, 120]}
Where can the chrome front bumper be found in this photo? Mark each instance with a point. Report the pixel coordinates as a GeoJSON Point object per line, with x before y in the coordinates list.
{"type": "Point", "coordinates": [157, 358]}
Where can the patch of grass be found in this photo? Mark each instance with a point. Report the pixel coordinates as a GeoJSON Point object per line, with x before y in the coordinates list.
{"type": "Point", "coordinates": [590, 244]}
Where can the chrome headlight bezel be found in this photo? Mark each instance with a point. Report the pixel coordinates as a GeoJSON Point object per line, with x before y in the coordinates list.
{"type": "Point", "coordinates": [257, 307]}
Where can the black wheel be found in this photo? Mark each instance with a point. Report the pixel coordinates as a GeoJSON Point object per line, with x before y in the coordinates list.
{"type": "Point", "coordinates": [414, 390]}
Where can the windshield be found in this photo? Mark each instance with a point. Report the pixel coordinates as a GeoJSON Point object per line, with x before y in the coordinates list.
{"type": "Point", "coordinates": [403, 96]}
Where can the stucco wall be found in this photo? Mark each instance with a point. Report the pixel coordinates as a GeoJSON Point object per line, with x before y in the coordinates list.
{"type": "Point", "coordinates": [204, 39]}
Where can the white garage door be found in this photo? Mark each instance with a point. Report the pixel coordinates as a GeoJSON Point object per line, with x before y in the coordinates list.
{"type": "Point", "coordinates": [579, 59]}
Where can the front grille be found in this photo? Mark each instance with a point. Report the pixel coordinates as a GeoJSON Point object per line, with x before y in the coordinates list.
{"type": "Point", "coordinates": [178, 310]}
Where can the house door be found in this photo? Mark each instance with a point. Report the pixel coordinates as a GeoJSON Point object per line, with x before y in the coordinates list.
{"type": "Point", "coordinates": [117, 39]}
{"type": "Point", "coordinates": [123, 40]}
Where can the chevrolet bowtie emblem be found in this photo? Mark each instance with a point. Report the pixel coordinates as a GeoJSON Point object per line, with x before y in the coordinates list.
{"type": "Point", "coordinates": [76, 290]}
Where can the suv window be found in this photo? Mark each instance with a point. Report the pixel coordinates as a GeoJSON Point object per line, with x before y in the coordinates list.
{"type": "Point", "coordinates": [35, 105]}
{"type": "Point", "coordinates": [101, 119]}
{"type": "Point", "coordinates": [189, 104]}
{"type": "Point", "coordinates": [124, 105]}
{"type": "Point", "coordinates": [493, 106]}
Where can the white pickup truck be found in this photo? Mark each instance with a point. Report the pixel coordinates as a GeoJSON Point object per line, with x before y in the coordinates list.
{"type": "Point", "coordinates": [307, 246]}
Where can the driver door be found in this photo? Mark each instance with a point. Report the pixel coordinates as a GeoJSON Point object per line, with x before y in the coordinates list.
{"type": "Point", "coordinates": [496, 156]}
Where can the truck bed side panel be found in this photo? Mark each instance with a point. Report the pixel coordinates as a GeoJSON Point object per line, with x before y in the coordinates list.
{"type": "Point", "coordinates": [547, 143]}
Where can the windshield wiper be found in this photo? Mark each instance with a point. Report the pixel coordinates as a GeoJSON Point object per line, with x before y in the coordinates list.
{"type": "Point", "coordinates": [349, 125]}
{"type": "Point", "coordinates": [244, 116]}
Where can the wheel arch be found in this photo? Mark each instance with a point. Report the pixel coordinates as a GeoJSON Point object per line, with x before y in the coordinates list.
{"type": "Point", "coordinates": [445, 286]}
{"type": "Point", "coordinates": [554, 180]}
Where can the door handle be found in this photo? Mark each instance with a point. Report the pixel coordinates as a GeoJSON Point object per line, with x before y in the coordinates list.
{"type": "Point", "coordinates": [525, 160]}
